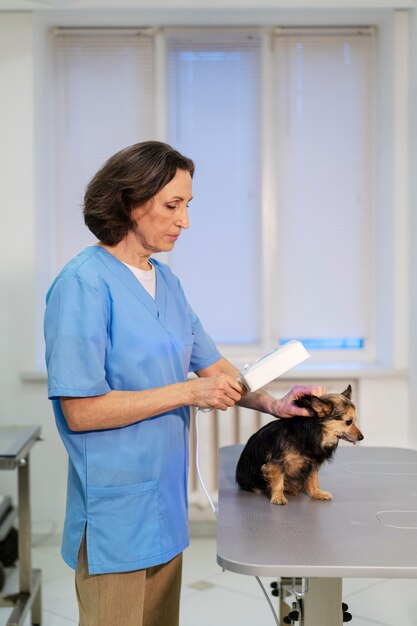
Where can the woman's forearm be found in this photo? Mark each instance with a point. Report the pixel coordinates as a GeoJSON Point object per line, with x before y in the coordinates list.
{"type": "Point", "coordinates": [216, 387]}
{"type": "Point", "coordinates": [257, 400]}
{"type": "Point", "coordinates": [262, 400]}
{"type": "Point", "coordinates": [121, 408]}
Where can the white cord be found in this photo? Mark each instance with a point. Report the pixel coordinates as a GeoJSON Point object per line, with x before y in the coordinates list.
{"type": "Point", "coordinates": [197, 462]}
{"type": "Point", "coordinates": [271, 606]}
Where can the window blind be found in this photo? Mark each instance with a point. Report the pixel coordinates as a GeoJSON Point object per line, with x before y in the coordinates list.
{"type": "Point", "coordinates": [214, 117]}
{"type": "Point", "coordinates": [103, 102]}
{"type": "Point", "coordinates": [320, 125]}
{"type": "Point", "coordinates": [324, 187]}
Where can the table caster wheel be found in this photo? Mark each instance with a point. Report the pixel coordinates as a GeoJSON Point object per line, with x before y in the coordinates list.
{"type": "Point", "coordinates": [347, 617]}
{"type": "Point", "coordinates": [275, 589]}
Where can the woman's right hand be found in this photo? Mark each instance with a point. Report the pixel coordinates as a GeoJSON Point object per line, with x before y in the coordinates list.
{"type": "Point", "coordinates": [215, 392]}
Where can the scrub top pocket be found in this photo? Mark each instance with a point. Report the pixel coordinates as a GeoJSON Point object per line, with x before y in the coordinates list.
{"type": "Point", "coordinates": [123, 523]}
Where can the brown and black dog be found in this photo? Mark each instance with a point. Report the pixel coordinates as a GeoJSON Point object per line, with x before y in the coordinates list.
{"type": "Point", "coordinates": [286, 454]}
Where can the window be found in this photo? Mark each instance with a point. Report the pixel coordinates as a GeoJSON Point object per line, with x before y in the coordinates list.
{"type": "Point", "coordinates": [103, 102]}
{"type": "Point", "coordinates": [214, 87]}
{"type": "Point", "coordinates": [324, 90]}
{"type": "Point", "coordinates": [279, 125]}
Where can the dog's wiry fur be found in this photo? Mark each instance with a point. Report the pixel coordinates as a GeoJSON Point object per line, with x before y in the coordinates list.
{"type": "Point", "coordinates": [286, 454]}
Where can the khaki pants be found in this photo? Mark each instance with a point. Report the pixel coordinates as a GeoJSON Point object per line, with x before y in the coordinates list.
{"type": "Point", "coordinates": [146, 597]}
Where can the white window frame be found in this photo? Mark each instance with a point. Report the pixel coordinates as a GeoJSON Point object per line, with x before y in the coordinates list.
{"type": "Point", "coordinates": [391, 296]}
{"type": "Point", "coordinates": [270, 212]}
{"type": "Point", "coordinates": [368, 353]}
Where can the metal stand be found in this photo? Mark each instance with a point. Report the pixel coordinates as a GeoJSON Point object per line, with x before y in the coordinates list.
{"type": "Point", "coordinates": [323, 602]}
{"type": "Point", "coordinates": [289, 592]}
{"type": "Point", "coordinates": [310, 601]}
{"type": "Point", "coordinates": [15, 446]}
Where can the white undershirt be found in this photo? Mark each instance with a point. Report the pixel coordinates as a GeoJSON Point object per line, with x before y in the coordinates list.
{"type": "Point", "coordinates": [147, 278]}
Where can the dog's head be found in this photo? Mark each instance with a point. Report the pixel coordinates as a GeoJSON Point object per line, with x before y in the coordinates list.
{"type": "Point", "coordinates": [337, 413]}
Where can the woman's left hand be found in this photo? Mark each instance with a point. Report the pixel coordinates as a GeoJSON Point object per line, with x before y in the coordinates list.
{"type": "Point", "coordinates": [285, 407]}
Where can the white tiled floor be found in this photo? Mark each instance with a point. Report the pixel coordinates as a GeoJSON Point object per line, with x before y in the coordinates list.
{"type": "Point", "coordinates": [225, 599]}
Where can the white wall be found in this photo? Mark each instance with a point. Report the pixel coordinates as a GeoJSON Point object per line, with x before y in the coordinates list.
{"type": "Point", "coordinates": [22, 403]}
{"type": "Point", "coordinates": [383, 396]}
{"type": "Point", "coordinates": [413, 232]}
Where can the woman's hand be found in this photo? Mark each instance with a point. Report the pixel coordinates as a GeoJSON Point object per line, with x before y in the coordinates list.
{"type": "Point", "coordinates": [285, 406]}
{"type": "Point", "coordinates": [220, 391]}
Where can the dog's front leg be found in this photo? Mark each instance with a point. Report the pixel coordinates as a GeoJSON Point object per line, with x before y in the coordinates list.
{"type": "Point", "coordinates": [313, 487]}
{"type": "Point", "coordinates": [274, 477]}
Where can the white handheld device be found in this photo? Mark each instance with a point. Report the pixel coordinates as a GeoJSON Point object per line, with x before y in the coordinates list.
{"type": "Point", "coordinates": [273, 364]}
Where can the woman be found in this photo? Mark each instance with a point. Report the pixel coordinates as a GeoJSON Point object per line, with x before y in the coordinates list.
{"type": "Point", "coordinates": [120, 341]}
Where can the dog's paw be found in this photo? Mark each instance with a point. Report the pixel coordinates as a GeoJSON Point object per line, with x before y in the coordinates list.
{"type": "Point", "coordinates": [278, 499]}
{"type": "Point", "coordinates": [322, 495]}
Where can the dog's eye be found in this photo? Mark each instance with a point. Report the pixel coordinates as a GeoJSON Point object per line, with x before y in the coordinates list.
{"type": "Point", "coordinates": [349, 422]}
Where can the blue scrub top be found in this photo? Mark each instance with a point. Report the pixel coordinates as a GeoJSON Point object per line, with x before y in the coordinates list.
{"type": "Point", "coordinates": [127, 486]}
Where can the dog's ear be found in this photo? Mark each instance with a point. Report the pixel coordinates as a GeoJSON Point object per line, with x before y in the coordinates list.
{"type": "Point", "coordinates": [347, 392]}
{"type": "Point", "coordinates": [320, 407]}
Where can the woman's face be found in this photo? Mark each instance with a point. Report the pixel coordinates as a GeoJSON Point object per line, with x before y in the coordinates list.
{"type": "Point", "coordinates": [158, 223]}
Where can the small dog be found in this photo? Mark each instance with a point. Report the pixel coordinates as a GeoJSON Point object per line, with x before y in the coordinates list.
{"type": "Point", "coordinates": [286, 454]}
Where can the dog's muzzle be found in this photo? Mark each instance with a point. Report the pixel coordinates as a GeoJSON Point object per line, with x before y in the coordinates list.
{"type": "Point", "coordinates": [354, 438]}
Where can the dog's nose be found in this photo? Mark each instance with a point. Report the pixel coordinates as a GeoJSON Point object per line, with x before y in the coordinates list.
{"type": "Point", "coordinates": [360, 436]}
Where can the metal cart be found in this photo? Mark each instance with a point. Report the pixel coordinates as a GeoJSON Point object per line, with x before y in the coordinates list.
{"type": "Point", "coordinates": [8, 537]}
{"type": "Point", "coordinates": [15, 445]}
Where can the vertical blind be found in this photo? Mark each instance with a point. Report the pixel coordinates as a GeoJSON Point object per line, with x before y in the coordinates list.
{"type": "Point", "coordinates": [103, 102]}
{"type": "Point", "coordinates": [214, 117]}
{"type": "Point", "coordinates": [324, 182]}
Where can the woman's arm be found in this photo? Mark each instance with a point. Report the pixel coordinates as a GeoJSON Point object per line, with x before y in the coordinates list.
{"type": "Point", "coordinates": [121, 408]}
{"type": "Point", "coordinates": [263, 401]}
{"type": "Point", "coordinates": [216, 387]}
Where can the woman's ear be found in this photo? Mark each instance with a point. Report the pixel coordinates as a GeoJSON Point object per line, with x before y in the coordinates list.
{"type": "Point", "coordinates": [320, 407]}
{"type": "Point", "coordinates": [347, 392]}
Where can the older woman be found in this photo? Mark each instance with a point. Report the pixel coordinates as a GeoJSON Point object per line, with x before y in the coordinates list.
{"type": "Point", "coordinates": [120, 341]}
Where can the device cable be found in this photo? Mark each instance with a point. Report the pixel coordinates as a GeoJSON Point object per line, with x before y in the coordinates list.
{"type": "Point", "coordinates": [268, 599]}
{"type": "Point", "coordinates": [197, 461]}
{"type": "Point", "coordinates": [213, 506]}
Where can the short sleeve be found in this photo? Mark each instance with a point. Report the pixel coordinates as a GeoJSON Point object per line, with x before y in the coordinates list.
{"type": "Point", "coordinates": [76, 336]}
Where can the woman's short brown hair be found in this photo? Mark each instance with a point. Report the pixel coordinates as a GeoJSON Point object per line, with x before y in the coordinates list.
{"type": "Point", "coordinates": [127, 180]}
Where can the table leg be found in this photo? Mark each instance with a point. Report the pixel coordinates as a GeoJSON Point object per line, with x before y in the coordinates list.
{"type": "Point", "coordinates": [289, 590]}
{"type": "Point", "coordinates": [322, 603]}
{"type": "Point", "coordinates": [25, 558]}
{"type": "Point", "coordinates": [284, 594]}
{"type": "Point", "coordinates": [36, 615]}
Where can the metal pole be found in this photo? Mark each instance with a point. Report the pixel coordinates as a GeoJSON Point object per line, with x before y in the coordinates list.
{"type": "Point", "coordinates": [323, 602]}
{"type": "Point", "coordinates": [25, 559]}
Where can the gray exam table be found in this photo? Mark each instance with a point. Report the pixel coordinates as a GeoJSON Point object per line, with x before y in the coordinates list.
{"type": "Point", "coordinates": [369, 529]}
